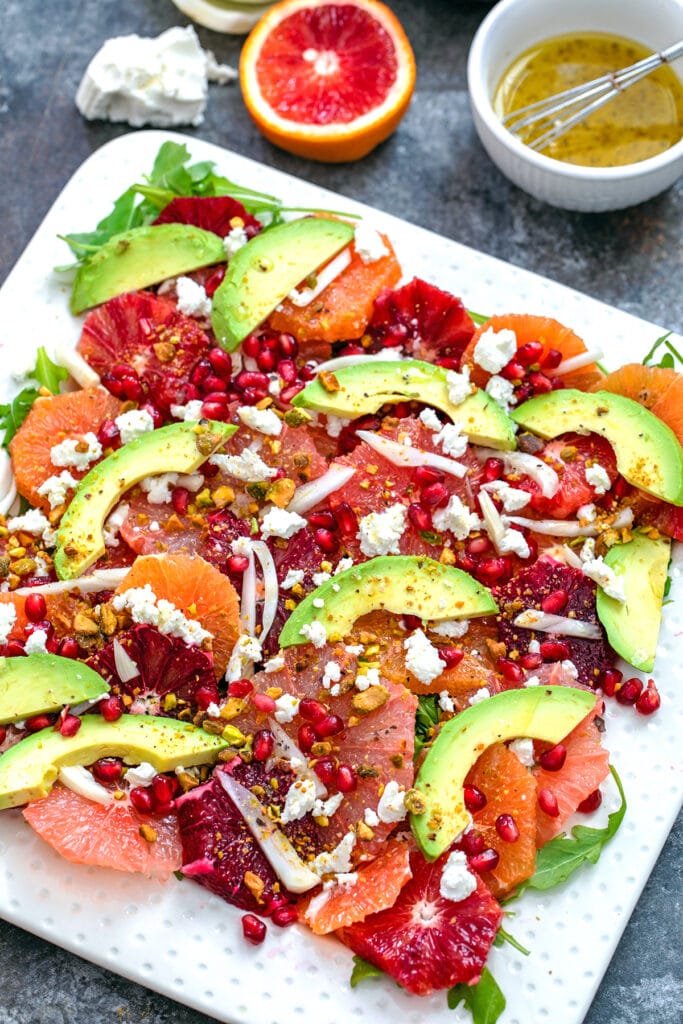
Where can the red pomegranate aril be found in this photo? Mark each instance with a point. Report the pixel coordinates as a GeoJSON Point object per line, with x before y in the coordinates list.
{"type": "Point", "coordinates": [109, 434]}
{"type": "Point", "coordinates": [649, 700]}
{"type": "Point", "coordinates": [201, 372]}
{"type": "Point", "coordinates": [449, 363]}
{"type": "Point", "coordinates": [475, 800]}
{"type": "Point", "coordinates": [629, 692]}
{"type": "Point", "coordinates": [132, 389]}
{"type": "Point", "coordinates": [531, 661]}
{"type": "Point", "coordinates": [346, 779]}
{"type": "Point", "coordinates": [286, 370]}
{"type": "Point", "coordinates": [324, 519]}
{"type": "Point", "coordinates": [213, 383]}
{"type": "Point", "coordinates": [553, 759]}
{"type": "Point", "coordinates": [52, 645]}
{"type": "Point", "coordinates": [507, 829]}
{"type": "Point", "coordinates": [434, 496]}
{"type": "Point", "coordinates": [141, 799]}
{"type": "Point", "coordinates": [426, 475]}
{"type": "Point", "coordinates": [552, 359]}
{"type": "Point", "coordinates": [490, 570]}
{"type": "Point", "coordinates": [250, 379]}
{"type": "Point", "coordinates": [240, 688]}
{"type": "Point", "coordinates": [493, 470]}
{"type": "Point", "coordinates": [330, 725]}
{"type": "Point", "coordinates": [251, 346]}
{"type": "Point", "coordinates": [510, 670]}
{"type": "Point", "coordinates": [513, 370]}
{"type": "Point", "coordinates": [263, 745]}
{"type": "Point", "coordinates": [591, 803]}
{"type": "Point", "coordinates": [487, 860]}
{"type": "Point", "coordinates": [554, 650]}
{"type": "Point", "coordinates": [3, 734]}
{"type": "Point", "coordinates": [213, 410]}
{"type": "Point", "coordinates": [451, 655]}
{"type": "Point", "coordinates": [251, 396]}
{"type": "Point", "coordinates": [192, 393]}
{"type": "Point", "coordinates": [290, 392]}
{"type": "Point", "coordinates": [412, 621]}
{"type": "Point", "coordinates": [111, 708]}
{"type": "Point", "coordinates": [69, 725]}
{"type": "Point", "coordinates": [35, 607]}
{"type": "Point", "coordinates": [238, 563]}
{"type": "Point", "coordinates": [121, 370]}
{"type": "Point", "coordinates": [308, 372]}
{"type": "Point", "coordinates": [533, 550]}
{"type": "Point", "coordinates": [14, 649]}
{"type": "Point", "coordinates": [253, 929]}
{"type": "Point", "coordinates": [221, 362]}
{"type": "Point", "coordinates": [465, 562]}
{"type": "Point", "coordinates": [163, 789]}
{"type": "Point", "coordinates": [37, 722]}
{"type": "Point", "coordinates": [419, 517]}
{"type": "Point", "coordinates": [108, 769]}
{"type": "Point", "coordinates": [609, 680]}
{"type": "Point", "coordinates": [306, 737]}
{"type": "Point", "coordinates": [263, 702]}
{"type": "Point", "coordinates": [266, 361]}
{"type": "Point", "coordinates": [204, 696]}
{"type": "Point", "coordinates": [283, 916]}
{"type": "Point", "coordinates": [68, 648]}
{"type": "Point", "coordinates": [473, 843]}
{"type": "Point", "coordinates": [325, 770]}
{"type": "Point", "coordinates": [547, 801]}
{"type": "Point", "coordinates": [180, 499]}
{"type": "Point", "coordinates": [312, 710]}
{"type": "Point", "coordinates": [325, 540]}
{"type": "Point", "coordinates": [540, 383]}
{"type": "Point", "coordinates": [42, 626]}
{"type": "Point", "coordinates": [555, 602]}
{"type": "Point", "coordinates": [287, 345]}
{"type": "Point", "coordinates": [269, 343]}
{"type": "Point", "coordinates": [113, 385]}
{"type": "Point", "coordinates": [478, 546]}
{"type": "Point", "coordinates": [347, 521]}
{"type": "Point", "coordinates": [213, 281]}
{"type": "Point", "coordinates": [151, 410]}
{"type": "Point", "coordinates": [529, 353]}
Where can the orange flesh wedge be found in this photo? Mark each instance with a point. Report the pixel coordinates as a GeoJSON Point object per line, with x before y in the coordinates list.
{"type": "Point", "coordinates": [658, 388]}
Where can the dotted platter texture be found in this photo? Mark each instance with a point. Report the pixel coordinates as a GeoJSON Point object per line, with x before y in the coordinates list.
{"type": "Point", "coordinates": [187, 944]}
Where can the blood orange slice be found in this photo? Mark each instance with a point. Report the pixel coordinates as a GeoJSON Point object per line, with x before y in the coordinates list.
{"type": "Point", "coordinates": [327, 80]}
{"type": "Point", "coordinates": [85, 832]}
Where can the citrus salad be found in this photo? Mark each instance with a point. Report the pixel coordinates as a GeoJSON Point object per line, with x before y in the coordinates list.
{"type": "Point", "coordinates": [314, 583]}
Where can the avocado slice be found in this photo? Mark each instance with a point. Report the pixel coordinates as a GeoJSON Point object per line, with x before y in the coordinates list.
{"type": "Point", "coordinates": [41, 683]}
{"type": "Point", "coordinates": [264, 271]}
{"type": "Point", "coordinates": [140, 257]}
{"type": "Point", "coordinates": [365, 387]}
{"type": "Point", "coordinates": [542, 713]}
{"type": "Point", "coordinates": [633, 627]}
{"type": "Point", "coordinates": [648, 452]}
{"type": "Point", "coordinates": [177, 448]}
{"type": "Point", "coordinates": [28, 770]}
{"type": "Point", "coordinates": [403, 584]}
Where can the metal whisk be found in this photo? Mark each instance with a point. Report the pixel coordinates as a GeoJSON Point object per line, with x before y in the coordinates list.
{"type": "Point", "coordinates": [542, 116]}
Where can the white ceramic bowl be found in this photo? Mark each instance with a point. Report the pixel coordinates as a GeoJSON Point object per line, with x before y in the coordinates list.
{"type": "Point", "coordinates": [515, 25]}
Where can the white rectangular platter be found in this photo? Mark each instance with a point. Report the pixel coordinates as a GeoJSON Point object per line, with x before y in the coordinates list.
{"type": "Point", "coordinates": [182, 941]}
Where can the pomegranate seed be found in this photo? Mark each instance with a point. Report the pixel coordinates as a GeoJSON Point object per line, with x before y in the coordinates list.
{"type": "Point", "coordinates": [132, 389]}
{"type": "Point", "coordinates": [426, 475]}
{"type": "Point", "coordinates": [213, 410]}
{"type": "Point", "coordinates": [286, 370]}
{"type": "Point", "coordinates": [250, 379]}
{"type": "Point", "coordinates": [221, 363]}
{"type": "Point", "coordinates": [547, 801]}
{"type": "Point", "coordinates": [269, 343]}
{"type": "Point", "coordinates": [506, 827]}
{"type": "Point", "coordinates": [264, 744]}
{"type": "Point", "coordinates": [52, 645]}
{"type": "Point", "coordinates": [250, 396]}
{"type": "Point", "coordinates": [121, 370]}
{"type": "Point", "coordinates": [434, 496]}
{"type": "Point", "coordinates": [253, 929]}
{"type": "Point", "coordinates": [347, 521]}
{"type": "Point", "coordinates": [141, 799]}
{"type": "Point", "coordinates": [465, 562]}
{"type": "Point", "coordinates": [530, 353]}
{"type": "Point", "coordinates": [288, 345]}
{"type": "Point", "coordinates": [266, 361]}
{"type": "Point", "coordinates": [629, 692]}
{"type": "Point", "coordinates": [487, 860]}
{"type": "Point", "coordinates": [475, 800]}
{"type": "Point", "coordinates": [68, 648]}
{"type": "Point", "coordinates": [346, 779]}
{"type": "Point", "coordinates": [204, 696]}
{"type": "Point", "coordinates": [493, 470]}
{"type": "Point", "coordinates": [419, 517]}
{"type": "Point", "coordinates": [591, 803]}
{"type": "Point", "coordinates": [109, 434]}
{"type": "Point", "coordinates": [38, 722]}
{"type": "Point", "coordinates": [649, 701]}
{"type": "Point", "coordinates": [540, 383]}
{"type": "Point", "coordinates": [306, 737]}
{"type": "Point", "coordinates": [163, 789]}
{"type": "Point", "coordinates": [3, 734]}
{"type": "Point", "coordinates": [555, 602]}
{"type": "Point", "coordinates": [473, 843]}
{"type": "Point", "coordinates": [108, 769]}
{"type": "Point", "coordinates": [513, 370]}
{"type": "Point", "coordinates": [201, 371]}
{"type": "Point", "coordinates": [412, 621]}
{"type": "Point", "coordinates": [552, 760]}
{"type": "Point", "coordinates": [113, 385]}
{"type": "Point", "coordinates": [533, 549]}
{"type": "Point", "coordinates": [262, 702]}
{"type": "Point", "coordinates": [251, 346]}
{"type": "Point", "coordinates": [238, 563]}
{"type": "Point", "coordinates": [111, 708]}
{"type": "Point", "coordinates": [451, 655]}
{"type": "Point", "coordinates": [478, 546]}
{"type": "Point", "coordinates": [324, 519]}
{"type": "Point", "coordinates": [39, 627]}
{"type": "Point", "coordinates": [554, 650]}
{"type": "Point", "coordinates": [449, 363]}
{"type": "Point", "coordinates": [70, 725]}
{"type": "Point", "coordinates": [35, 607]}
{"type": "Point", "coordinates": [490, 570]}
{"type": "Point", "coordinates": [325, 770]}
{"type": "Point", "coordinates": [552, 359]}
{"type": "Point", "coordinates": [282, 916]}
{"type": "Point", "coordinates": [240, 688]}
{"type": "Point", "coordinates": [290, 392]}
{"type": "Point", "coordinates": [312, 710]}
{"type": "Point", "coordinates": [352, 350]}
{"type": "Point", "coordinates": [330, 725]}
{"type": "Point", "coordinates": [325, 540]}
{"type": "Point", "coordinates": [510, 670]}
{"type": "Point", "coordinates": [151, 410]}
{"type": "Point", "coordinates": [531, 661]}
{"type": "Point", "coordinates": [214, 383]}
{"type": "Point", "coordinates": [213, 281]}
{"type": "Point", "coordinates": [609, 680]}
{"type": "Point", "coordinates": [308, 371]}
{"type": "Point", "coordinates": [180, 499]}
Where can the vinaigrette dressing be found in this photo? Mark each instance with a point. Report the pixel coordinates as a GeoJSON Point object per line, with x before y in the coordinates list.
{"type": "Point", "coordinates": [645, 120]}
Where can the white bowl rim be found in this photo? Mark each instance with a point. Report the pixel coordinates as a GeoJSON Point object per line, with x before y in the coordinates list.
{"type": "Point", "coordinates": [481, 100]}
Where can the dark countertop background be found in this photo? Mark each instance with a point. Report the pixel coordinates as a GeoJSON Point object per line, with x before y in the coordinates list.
{"type": "Point", "coordinates": [434, 172]}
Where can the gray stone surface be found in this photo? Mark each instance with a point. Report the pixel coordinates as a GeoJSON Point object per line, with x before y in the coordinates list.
{"type": "Point", "coordinates": [434, 172]}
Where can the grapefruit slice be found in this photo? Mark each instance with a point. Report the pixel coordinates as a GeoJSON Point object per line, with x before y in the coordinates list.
{"type": "Point", "coordinates": [85, 832]}
{"type": "Point", "coordinates": [327, 80]}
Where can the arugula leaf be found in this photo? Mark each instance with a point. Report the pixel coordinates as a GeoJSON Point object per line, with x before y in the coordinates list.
{"type": "Point", "coordinates": [362, 969]}
{"type": "Point", "coordinates": [560, 858]}
{"type": "Point", "coordinates": [48, 375]}
{"type": "Point", "coordinates": [124, 216]}
{"type": "Point", "coordinates": [485, 1001]}
{"type": "Point", "coordinates": [502, 937]}
{"type": "Point", "coordinates": [426, 719]}
{"type": "Point", "coordinates": [430, 537]}
{"type": "Point", "coordinates": [477, 318]}
{"type": "Point", "coordinates": [668, 360]}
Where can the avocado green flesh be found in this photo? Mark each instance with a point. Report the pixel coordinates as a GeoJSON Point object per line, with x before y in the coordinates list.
{"type": "Point", "coordinates": [541, 712]}
{"type": "Point", "coordinates": [264, 271]}
{"type": "Point", "coordinates": [402, 584]}
{"type": "Point", "coordinates": [142, 256]}
{"type": "Point", "coordinates": [632, 627]}
{"type": "Point", "coordinates": [366, 387]}
{"type": "Point", "coordinates": [648, 452]}
{"type": "Point", "coordinates": [29, 769]}
{"type": "Point", "coordinates": [177, 448]}
{"type": "Point", "coordinates": [41, 683]}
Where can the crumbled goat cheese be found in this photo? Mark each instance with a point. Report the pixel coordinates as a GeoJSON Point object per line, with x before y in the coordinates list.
{"type": "Point", "coordinates": [192, 298]}
{"type": "Point", "coordinates": [33, 522]}
{"type": "Point", "coordinates": [586, 513]}
{"type": "Point", "coordinates": [524, 749]}
{"type": "Point", "coordinates": [158, 488]}
{"type": "Point", "coordinates": [381, 532]}
{"type": "Point", "coordinates": [192, 410]}
{"type": "Point", "coordinates": [513, 542]}
{"type": "Point", "coordinates": [318, 602]}
{"type": "Point", "coordinates": [337, 861]}
{"type": "Point", "coordinates": [453, 442]}
{"type": "Point", "coordinates": [274, 664]}
{"type": "Point", "coordinates": [68, 453]}
{"type": "Point", "coordinates": [391, 806]}
{"type": "Point", "coordinates": [457, 518]}
{"type": "Point", "coordinates": [368, 677]}
{"type": "Point", "coordinates": [326, 808]}
{"type": "Point", "coordinates": [315, 633]}
{"type": "Point", "coordinates": [35, 642]}
{"type": "Point", "coordinates": [331, 674]}
{"type": "Point", "coordinates": [213, 711]}
{"type": "Point", "coordinates": [145, 608]}
{"type": "Point", "coordinates": [422, 657]}
{"type": "Point", "coordinates": [445, 701]}
{"type": "Point", "coordinates": [8, 616]}
{"type": "Point", "coordinates": [459, 386]}
{"type": "Point", "coordinates": [370, 818]}
{"type": "Point", "coordinates": [278, 522]}
{"type": "Point", "coordinates": [369, 243]}
{"type": "Point", "coordinates": [234, 240]}
{"type": "Point", "coordinates": [501, 391]}
{"type": "Point", "coordinates": [334, 425]}
{"type": "Point", "coordinates": [570, 668]}
{"type": "Point", "coordinates": [245, 653]}
{"type": "Point", "coordinates": [321, 577]}
{"type": "Point", "coordinates": [113, 524]}
{"type": "Point", "coordinates": [454, 629]}
{"type": "Point", "coordinates": [293, 578]}
{"type": "Point", "coordinates": [534, 647]}
{"type": "Point", "coordinates": [532, 681]}
{"type": "Point", "coordinates": [286, 708]}
{"type": "Point", "coordinates": [141, 775]}
{"type": "Point", "coordinates": [247, 466]}
{"type": "Point", "coordinates": [457, 881]}
{"type": "Point", "coordinates": [430, 420]}
{"type": "Point", "coordinates": [511, 497]}
{"type": "Point", "coordinates": [343, 564]}
{"type": "Point", "coordinates": [479, 696]}
{"type": "Point", "coordinates": [354, 649]}
{"type": "Point", "coordinates": [55, 488]}
{"type": "Point", "coordinates": [263, 420]}
{"type": "Point", "coordinates": [598, 478]}
{"type": "Point", "coordinates": [495, 349]}
{"type": "Point", "coordinates": [134, 424]}
{"type": "Point", "coordinates": [596, 569]}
